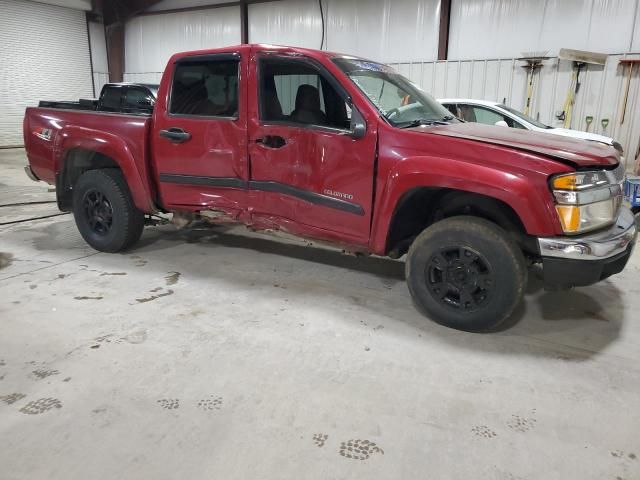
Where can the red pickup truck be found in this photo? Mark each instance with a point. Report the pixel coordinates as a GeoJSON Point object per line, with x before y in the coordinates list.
{"type": "Point", "coordinates": [345, 150]}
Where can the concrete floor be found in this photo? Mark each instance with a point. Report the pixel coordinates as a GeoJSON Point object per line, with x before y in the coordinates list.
{"type": "Point", "coordinates": [221, 354]}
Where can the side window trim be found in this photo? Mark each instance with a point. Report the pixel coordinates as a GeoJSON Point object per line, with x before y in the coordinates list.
{"type": "Point", "coordinates": [321, 71]}
{"type": "Point", "coordinates": [221, 57]}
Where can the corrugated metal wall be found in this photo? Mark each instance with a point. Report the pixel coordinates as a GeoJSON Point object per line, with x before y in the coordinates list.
{"type": "Point", "coordinates": [505, 80]}
{"type": "Point", "coordinates": [506, 28]}
{"type": "Point", "coordinates": [44, 58]}
{"type": "Point", "coordinates": [387, 30]}
{"type": "Point", "coordinates": [151, 39]}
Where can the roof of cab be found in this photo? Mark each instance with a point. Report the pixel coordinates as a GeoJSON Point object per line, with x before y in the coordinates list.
{"type": "Point", "coordinates": [261, 47]}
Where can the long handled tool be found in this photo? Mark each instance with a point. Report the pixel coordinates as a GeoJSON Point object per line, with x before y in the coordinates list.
{"type": "Point", "coordinates": [580, 60]}
{"type": "Point", "coordinates": [629, 63]}
{"type": "Point", "coordinates": [533, 63]}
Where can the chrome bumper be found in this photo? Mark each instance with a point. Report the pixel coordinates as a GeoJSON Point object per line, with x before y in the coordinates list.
{"type": "Point", "coordinates": [594, 246]}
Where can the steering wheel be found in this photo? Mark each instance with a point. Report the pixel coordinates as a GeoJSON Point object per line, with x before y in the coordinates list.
{"type": "Point", "coordinates": [392, 113]}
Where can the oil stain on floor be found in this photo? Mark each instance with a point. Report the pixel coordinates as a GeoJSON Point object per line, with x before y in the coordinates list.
{"type": "Point", "coordinates": [154, 297]}
{"type": "Point", "coordinates": [5, 259]}
{"type": "Point", "coordinates": [172, 278]}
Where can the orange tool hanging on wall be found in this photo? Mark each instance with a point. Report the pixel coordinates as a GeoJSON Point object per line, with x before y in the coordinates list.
{"type": "Point", "coordinates": [629, 63]}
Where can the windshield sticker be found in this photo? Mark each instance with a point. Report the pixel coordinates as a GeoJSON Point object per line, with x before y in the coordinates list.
{"type": "Point", "coordinates": [372, 66]}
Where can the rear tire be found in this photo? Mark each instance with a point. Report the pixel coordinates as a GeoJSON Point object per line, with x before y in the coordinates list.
{"type": "Point", "coordinates": [466, 273]}
{"type": "Point", "coordinates": [104, 211]}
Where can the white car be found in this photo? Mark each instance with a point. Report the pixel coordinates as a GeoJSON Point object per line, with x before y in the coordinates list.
{"type": "Point", "coordinates": [495, 113]}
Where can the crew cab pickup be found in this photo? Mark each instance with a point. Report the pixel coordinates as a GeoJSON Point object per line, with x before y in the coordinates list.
{"type": "Point", "coordinates": [346, 150]}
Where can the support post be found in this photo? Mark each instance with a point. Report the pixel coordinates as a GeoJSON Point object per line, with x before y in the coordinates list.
{"type": "Point", "coordinates": [244, 22]}
{"type": "Point", "coordinates": [443, 36]}
{"type": "Point", "coordinates": [115, 51]}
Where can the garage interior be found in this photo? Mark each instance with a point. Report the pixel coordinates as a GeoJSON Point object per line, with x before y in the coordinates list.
{"type": "Point", "coordinates": [218, 352]}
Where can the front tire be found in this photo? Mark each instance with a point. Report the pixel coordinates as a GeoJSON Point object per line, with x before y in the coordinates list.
{"type": "Point", "coordinates": [466, 273]}
{"type": "Point", "coordinates": [104, 211]}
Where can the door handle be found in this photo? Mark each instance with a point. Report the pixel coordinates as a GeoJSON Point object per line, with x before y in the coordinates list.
{"type": "Point", "coordinates": [272, 141]}
{"type": "Point", "coordinates": [175, 135]}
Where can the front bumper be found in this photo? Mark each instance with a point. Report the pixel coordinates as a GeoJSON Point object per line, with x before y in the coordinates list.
{"type": "Point", "coordinates": [587, 259]}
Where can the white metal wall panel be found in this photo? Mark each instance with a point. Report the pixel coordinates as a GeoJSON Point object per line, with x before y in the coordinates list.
{"type": "Point", "coordinates": [98, 56]}
{"type": "Point", "coordinates": [151, 39]}
{"type": "Point", "coordinates": [507, 28]}
{"type": "Point", "coordinates": [286, 22]}
{"type": "Point", "coordinates": [635, 40]}
{"type": "Point", "coordinates": [44, 54]}
{"type": "Point", "coordinates": [385, 30]}
{"type": "Point", "coordinates": [601, 92]}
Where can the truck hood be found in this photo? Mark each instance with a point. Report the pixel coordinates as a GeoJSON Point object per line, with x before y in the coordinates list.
{"type": "Point", "coordinates": [571, 151]}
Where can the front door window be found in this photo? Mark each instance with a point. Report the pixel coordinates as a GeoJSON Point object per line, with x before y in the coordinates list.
{"type": "Point", "coordinates": [295, 92]}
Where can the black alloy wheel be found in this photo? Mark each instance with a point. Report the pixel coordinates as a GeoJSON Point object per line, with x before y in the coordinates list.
{"type": "Point", "coordinates": [460, 278]}
{"type": "Point", "coordinates": [98, 212]}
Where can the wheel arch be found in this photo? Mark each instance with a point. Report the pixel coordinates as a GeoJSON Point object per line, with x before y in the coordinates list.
{"type": "Point", "coordinates": [416, 189]}
{"type": "Point", "coordinates": [421, 207]}
{"type": "Point", "coordinates": [82, 151]}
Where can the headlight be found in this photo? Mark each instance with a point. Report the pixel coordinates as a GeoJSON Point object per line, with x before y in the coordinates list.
{"type": "Point", "coordinates": [588, 200]}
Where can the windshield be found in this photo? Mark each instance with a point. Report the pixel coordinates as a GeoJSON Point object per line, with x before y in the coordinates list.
{"type": "Point", "coordinates": [524, 117]}
{"type": "Point", "coordinates": [400, 101]}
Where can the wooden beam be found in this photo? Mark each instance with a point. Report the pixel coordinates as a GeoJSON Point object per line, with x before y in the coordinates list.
{"type": "Point", "coordinates": [443, 36]}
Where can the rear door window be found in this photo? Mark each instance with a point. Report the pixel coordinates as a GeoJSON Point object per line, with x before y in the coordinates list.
{"type": "Point", "coordinates": [206, 87]}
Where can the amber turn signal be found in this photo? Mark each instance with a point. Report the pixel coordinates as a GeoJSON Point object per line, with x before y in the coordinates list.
{"type": "Point", "coordinates": [569, 217]}
{"type": "Point", "coordinates": [565, 182]}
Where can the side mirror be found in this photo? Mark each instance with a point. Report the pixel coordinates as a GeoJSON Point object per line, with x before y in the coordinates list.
{"type": "Point", "coordinates": [501, 123]}
{"type": "Point", "coordinates": [358, 126]}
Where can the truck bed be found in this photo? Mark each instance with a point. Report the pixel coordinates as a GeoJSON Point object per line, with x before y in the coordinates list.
{"type": "Point", "coordinates": [50, 131]}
